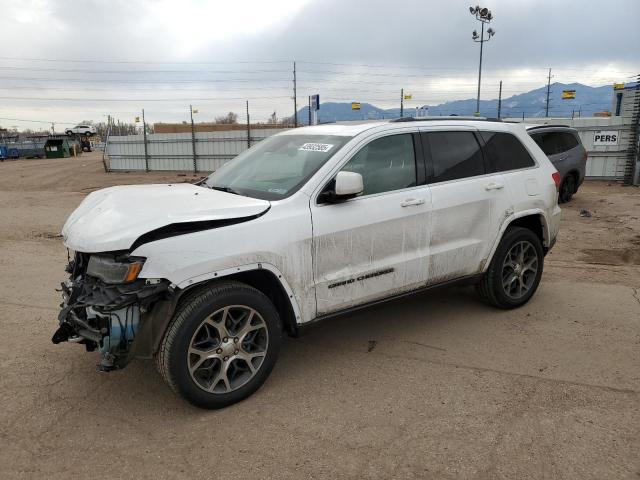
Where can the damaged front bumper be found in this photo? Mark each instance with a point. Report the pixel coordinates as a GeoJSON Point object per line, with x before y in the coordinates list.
{"type": "Point", "coordinates": [107, 317]}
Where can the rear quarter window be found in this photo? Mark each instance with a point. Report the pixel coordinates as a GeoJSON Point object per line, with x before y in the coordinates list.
{"type": "Point", "coordinates": [569, 141]}
{"type": "Point", "coordinates": [551, 143]}
{"type": "Point", "coordinates": [504, 152]}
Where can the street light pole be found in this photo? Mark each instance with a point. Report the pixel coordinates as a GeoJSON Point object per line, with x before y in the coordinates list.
{"type": "Point", "coordinates": [483, 15]}
{"type": "Point", "coordinates": [480, 70]}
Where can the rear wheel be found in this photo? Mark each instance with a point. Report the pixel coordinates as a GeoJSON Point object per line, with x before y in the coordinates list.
{"type": "Point", "coordinates": [567, 189]}
{"type": "Point", "coordinates": [515, 270]}
{"type": "Point", "coordinates": [221, 345]}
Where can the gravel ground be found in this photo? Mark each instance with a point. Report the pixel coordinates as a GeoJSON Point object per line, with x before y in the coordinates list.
{"type": "Point", "coordinates": [436, 385]}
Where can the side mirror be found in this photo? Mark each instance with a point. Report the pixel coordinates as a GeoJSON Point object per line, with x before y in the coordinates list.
{"type": "Point", "coordinates": [346, 185]}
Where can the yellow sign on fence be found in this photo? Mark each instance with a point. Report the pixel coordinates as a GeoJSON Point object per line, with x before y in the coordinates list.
{"type": "Point", "coordinates": [355, 105]}
{"type": "Point", "coordinates": [618, 86]}
{"type": "Point", "coordinates": [568, 94]}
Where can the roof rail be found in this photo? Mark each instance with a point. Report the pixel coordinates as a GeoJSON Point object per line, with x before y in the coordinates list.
{"type": "Point", "coordinates": [440, 119]}
{"type": "Point", "coordinates": [550, 125]}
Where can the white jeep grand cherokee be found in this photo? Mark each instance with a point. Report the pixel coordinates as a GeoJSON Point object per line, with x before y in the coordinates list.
{"type": "Point", "coordinates": [307, 224]}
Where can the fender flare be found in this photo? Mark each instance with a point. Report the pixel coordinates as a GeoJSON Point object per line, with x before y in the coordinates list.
{"type": "Point", "coordinates": [508, 220]}
{"type": "Point", "coordinates": [190, 282]}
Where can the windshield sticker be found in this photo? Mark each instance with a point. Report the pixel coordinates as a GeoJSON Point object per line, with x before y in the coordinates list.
{"type": "Point", "coordinates": [277, 190]}
{"type": "Point", "coordinates": [316, 147]}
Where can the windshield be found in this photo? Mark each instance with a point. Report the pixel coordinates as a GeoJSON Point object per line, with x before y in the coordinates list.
{"type": "Point", "coordinates": [277, 166]}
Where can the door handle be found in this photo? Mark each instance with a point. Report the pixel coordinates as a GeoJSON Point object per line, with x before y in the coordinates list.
{"type": "Point", "coordinates": [412, 201]}
{"type": "Point", "coordinates": [494, 186]}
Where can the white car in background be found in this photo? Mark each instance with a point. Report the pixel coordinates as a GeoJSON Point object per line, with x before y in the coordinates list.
{"type": "Point", "coordinates": [87, 130]}
{"type": "Point", "coordinates": [307, 224]}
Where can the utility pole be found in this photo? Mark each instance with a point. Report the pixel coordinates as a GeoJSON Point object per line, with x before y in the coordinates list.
{"type": "Point", "coordinates": [546, 113]}
{"type": "Point", "coordinates": [248, 127]}
{"type": "Point", "coordinates": [193, 140]}
{"type": "Point", "coordinates": [295, 98]}
{"type": "Point", "coordinates": [500, 99]}
{"type": "Point", "coordinates": [401, 102]}
{"type": "Point", "coordinates": [309, 109]}
{"type": "Point", "coordinates": [144, 139]}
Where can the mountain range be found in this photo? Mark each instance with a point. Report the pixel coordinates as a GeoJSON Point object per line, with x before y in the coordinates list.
{"type": "Point", "coordinates": [588, 100]}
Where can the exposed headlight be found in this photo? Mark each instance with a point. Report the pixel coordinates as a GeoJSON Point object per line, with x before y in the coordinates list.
{"type": "Point", "coordinates": [109, 270]}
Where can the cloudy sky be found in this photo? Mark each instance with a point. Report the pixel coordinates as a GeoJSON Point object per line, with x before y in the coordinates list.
{"type": "Point", "coordinates": [69, 60]}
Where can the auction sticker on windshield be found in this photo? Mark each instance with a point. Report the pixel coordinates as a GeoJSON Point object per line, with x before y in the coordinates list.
{"type": "Point", "coordinates": [316, 147]}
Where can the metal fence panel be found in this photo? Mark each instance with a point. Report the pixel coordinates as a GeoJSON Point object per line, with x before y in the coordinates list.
{"type": "Point", "coordinates": [174, 151]}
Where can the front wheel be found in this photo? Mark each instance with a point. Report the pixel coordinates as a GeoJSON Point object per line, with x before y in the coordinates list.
{"type": "Point", "coordinates": [221, 345]}
{"type": "Point", "coordinates": [515, 270]}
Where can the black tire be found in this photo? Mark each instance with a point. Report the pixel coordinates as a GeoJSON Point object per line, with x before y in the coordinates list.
{"type": "Point", "coordinates": [173, 359]}
{"type": "Point", "coordinates": [567, 189]}
{"type": "Point", "coordinates": [69, 132]}
{"type": "Point", "coordinates": [491, 288]}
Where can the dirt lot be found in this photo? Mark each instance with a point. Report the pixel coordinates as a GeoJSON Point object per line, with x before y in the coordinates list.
{"type": "Point", "coordinates": [434, 386]}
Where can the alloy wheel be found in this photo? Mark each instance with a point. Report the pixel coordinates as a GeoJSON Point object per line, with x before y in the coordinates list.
{"type": "Point", "coordinates": [519, 269]}
{"type": "Point", "coordinates": [227, 349]}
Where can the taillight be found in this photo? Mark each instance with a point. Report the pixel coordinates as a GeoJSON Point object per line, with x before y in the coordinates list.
{"type": "Point", "coordinates": [556, 179]}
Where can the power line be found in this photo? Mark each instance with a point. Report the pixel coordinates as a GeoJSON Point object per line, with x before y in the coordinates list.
{"type": "Point", "coordinates": [245, 62]}
{"type": "Point", "coordinates": [32, 121]}
{"type": "Point", "coordinates": [146, 62]}
{"type": "Point", "coordinates": [102, 80]}
{"type": "Point", "coordinates": [82, 70]}
{"type": "Point", "coordinates": [206, 99]}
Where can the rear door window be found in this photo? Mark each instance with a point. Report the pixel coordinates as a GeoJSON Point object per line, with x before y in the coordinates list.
{"type": "Point", "coordinates": [453, 155]}
{"type": "Point", "coordinates": [505, 152]}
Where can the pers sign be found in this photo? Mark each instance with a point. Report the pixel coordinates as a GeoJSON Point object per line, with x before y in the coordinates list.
{"type": "Point", "coordinates": [605, 137]}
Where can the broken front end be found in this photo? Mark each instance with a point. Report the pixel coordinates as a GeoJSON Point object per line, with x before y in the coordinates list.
{"type": "Point", "coordinates": [106, 307]}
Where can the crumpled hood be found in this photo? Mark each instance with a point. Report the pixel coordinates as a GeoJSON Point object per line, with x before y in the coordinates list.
{"type": "Point", "coordinates": [113, 218]}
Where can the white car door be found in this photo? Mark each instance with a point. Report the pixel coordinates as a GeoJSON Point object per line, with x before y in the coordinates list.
{"type": "Point", "coordinates": [374, 245]}
{"type": "Point", "coordinates": [468, 204]}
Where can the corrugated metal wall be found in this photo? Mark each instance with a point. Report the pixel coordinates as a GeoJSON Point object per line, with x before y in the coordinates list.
{"type": "Point", "coordinates": [174, 151]}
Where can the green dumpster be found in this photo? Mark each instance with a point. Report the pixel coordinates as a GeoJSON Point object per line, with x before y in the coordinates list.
{"type": "Point", "coordinates": [57, 148]}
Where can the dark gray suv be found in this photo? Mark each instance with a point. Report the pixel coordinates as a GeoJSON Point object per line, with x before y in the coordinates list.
{"type": "Point", "coordinates": [563, 147]}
